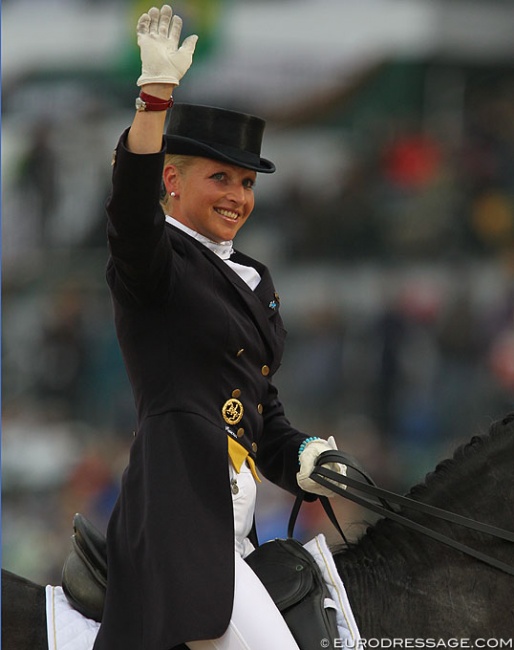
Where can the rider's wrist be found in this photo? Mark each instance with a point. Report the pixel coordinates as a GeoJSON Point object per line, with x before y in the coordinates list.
{"type": "Point", "coordinates": [162, 90]}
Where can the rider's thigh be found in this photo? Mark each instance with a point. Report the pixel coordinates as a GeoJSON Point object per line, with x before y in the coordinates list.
{"type": "Point", "coordinates": [256, 622]}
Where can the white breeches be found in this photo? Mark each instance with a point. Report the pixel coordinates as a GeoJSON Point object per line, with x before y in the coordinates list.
{"type": "Point", "coordinates": [256, 622]}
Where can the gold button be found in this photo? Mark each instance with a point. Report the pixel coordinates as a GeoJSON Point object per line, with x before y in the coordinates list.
{"type": "Point", "coordinates": [254, 446]}
{"type": "Point", "coordinates": [265, 370]}
{"type": "Point", "coordinates": [240, 432]}
{"type": "Point", "coordinates": [236, 393]}
{"type": "Point", "coordinates": [240, 352]}
{"type": "Point", "coordinates": [260, 408]}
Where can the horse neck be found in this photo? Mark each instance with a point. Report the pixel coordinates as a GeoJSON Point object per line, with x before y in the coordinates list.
{"type": "Point", "coordinates": [383, 577]}
{"type": "Point", "coordinates": [400, 582]}
{"type": "Point", "coordinates": [401, 586]}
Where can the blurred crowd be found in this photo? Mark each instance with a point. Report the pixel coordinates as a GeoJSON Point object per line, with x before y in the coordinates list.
{"type": "Point", "coordinates": [396, 287]}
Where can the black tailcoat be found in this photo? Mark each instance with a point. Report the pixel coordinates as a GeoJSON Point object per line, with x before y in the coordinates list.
{"type": "Point", "coordinates": [193, 335]}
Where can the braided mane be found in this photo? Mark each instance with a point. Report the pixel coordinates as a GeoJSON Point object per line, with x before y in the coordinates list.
{"type": "Point", "coordinates": [466, 459]}
{"type": "Point", "coordinates": [479, 474]}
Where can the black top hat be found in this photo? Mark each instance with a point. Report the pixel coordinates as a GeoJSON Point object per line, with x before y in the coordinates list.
{"type": "Point", "coordinates": [217, 133]}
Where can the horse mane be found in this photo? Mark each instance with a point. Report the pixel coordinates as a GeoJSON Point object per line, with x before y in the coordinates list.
{"type": "Point", "coordinates": [465, 458]}
{"type": "Point", "coordinates": [479, 472]}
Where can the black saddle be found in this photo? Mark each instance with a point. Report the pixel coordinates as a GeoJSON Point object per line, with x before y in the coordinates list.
{"type": "Point", "coordinates": [84, 575]}
{"type": "Point", "coordinates": [285, 568]}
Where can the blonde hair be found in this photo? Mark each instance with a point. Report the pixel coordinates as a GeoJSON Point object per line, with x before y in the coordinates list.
{"type": "Point", "coordinates": [182, 163]}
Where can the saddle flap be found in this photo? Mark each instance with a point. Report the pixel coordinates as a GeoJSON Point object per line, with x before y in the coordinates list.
{"type": "Point", "coordinates": [283, 569]}
{"type": "Point", "coordinates": [295, 583]}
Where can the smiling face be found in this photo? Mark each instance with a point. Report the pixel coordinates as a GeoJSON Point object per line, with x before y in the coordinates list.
{"type": "Point", "coordinates": [213, 198]}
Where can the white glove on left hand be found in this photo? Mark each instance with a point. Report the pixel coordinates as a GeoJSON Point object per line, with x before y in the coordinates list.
{"type": "Point", "coordinates": [158, 36]}
{"type": "Point", "coordinates": [307, 460]}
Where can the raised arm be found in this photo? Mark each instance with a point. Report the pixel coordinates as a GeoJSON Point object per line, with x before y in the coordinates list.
{"type": "Point", "coordinates": [163, 64]}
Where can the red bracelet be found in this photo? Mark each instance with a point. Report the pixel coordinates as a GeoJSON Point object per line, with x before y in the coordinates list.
{"type": "Point", "coordinates": [146, 102]}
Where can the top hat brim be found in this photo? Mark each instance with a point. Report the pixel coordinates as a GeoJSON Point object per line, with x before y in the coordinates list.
{"type": "Point", "coordinates": [184, 146]}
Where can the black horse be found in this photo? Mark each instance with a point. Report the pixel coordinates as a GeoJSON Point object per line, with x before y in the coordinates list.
{"type": "Point", "coordinates": [401, 584]}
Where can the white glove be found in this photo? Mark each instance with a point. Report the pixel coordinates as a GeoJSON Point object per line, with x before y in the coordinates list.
{"type": "Point", "coordinates": [158, 36]}
{"type": "Point", "coordinates": [307, 460]}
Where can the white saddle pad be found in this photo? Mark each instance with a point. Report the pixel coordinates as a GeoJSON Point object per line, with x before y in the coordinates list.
{"type": "Point", "coordinates": [349, 636]}
{"type": "Point", "coordinates": [69, 630]}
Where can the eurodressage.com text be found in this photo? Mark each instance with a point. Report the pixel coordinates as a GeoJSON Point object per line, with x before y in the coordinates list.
{"type": "Point", "coordinates": [409, 643]}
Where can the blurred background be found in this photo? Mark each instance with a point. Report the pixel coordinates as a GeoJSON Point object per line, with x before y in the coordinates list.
{"type": "Point", "coordinates": [389, 229]}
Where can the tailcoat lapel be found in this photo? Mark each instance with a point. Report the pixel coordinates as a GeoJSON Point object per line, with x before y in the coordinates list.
{"type": "Point", "coordinates": [255, 301]}
{"type": "Point", "coordinates": [261, 304]}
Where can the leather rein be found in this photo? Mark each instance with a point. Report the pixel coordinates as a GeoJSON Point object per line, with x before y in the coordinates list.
{"type": "Point", "coordinates": [334, 481]}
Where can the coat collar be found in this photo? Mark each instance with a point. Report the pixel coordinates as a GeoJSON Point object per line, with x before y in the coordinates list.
{"type": "Point", "coordinates": [223, 249]}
